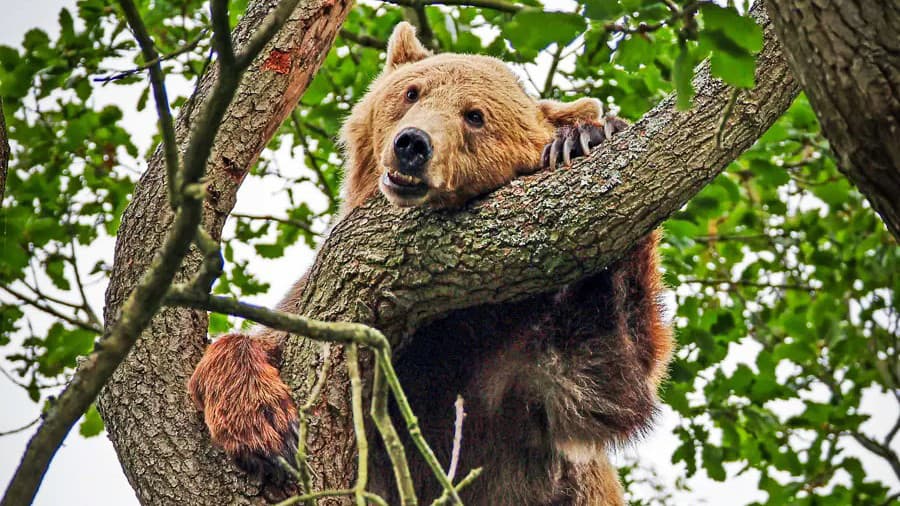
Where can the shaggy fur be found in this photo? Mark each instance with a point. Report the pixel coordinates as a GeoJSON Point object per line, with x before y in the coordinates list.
{"type": "Point", "coordinates": [550, 382]}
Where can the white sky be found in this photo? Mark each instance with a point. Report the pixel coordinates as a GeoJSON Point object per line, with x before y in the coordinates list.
{"type": "Point", "coordinates": [86, 471]}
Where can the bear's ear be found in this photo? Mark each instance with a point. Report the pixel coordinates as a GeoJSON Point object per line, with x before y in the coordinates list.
{"type": "Point", "coordinates": [567, 113]}
{"type": "Point", "coordinates": [403, 47]}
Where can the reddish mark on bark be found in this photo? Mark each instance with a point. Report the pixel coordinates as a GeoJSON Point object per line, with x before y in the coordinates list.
{"type": "Point", "coordinates": [278, 61]}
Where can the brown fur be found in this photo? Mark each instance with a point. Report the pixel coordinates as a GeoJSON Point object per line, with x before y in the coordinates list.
{"type": "Point", "coordinates": [550, 382]}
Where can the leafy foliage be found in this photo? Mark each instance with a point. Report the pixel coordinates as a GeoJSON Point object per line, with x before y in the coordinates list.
{"type": "Point", "coordinates": [784, 278]}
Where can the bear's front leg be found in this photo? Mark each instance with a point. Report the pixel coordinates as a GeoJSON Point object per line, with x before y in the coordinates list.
{"type": "Point", "coordinates": [247, 407]}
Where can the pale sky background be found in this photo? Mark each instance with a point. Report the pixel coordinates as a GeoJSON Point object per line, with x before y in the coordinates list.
{"type": "Point", "coordinates": [87, 472]}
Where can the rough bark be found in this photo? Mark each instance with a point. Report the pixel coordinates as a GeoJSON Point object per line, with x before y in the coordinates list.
{"type": "Point", "coordinates": [159, 436]}
{"type": "Point", "coordinates": [846, 55]}
{"type": "Point", "coordinates": [396, 269]}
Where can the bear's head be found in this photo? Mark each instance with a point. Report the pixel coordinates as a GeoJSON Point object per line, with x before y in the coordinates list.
{"type": "Point", "coordinates": [440, 129]}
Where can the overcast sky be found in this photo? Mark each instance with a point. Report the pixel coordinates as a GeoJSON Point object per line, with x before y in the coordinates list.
{"type": "Point", "coordinates": [86, 471]}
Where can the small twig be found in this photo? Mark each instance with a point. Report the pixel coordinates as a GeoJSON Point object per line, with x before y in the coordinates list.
{"type": "Point", "coordinates": [160, 96]}
{"type": "Point", "coordinates": [85, 305]}
{"type": "Point", "coordinates": [363, 40]}
{"type": "Point", "coordinates": [268, 217]}
{"type": "Point", "coordinates": [392, 444]}
{"type": "Point", "coordinates": [548, 83]}
{"type": "Point", "coordinates": [190, 46]}
{"type": "Point", "coordinates": [312, 496]}
{"type": "Point", "coordinates": [301, 458]}
{"type": "Point", "coordinates": [445, 497]}
{"type": "Point", "coordinates": [22, 428]}
{"type": "Point", "coordinates": [51, 311]}
{"type": "Point", "coordinates": [457, 437]}
{"type": "Point", "coordinates": [359, 428]}
{"type": "Point", "coordinates": [726, 113]}
{"type": "Point", "coordinates": [313, 163]}
{"type": "Point", "coordinates": [4, 152]}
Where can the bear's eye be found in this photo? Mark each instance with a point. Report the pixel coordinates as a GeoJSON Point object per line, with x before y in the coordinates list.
{"type": "Point", "coordinates": [475, 118]}
{"type": "Point", "coordinates": [412, 94]}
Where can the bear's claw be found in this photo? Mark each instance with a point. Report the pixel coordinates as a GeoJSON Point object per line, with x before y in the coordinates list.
{"type": "Point", "coordinates": [574, 141]}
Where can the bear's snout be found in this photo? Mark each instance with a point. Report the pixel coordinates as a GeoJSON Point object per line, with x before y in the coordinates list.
{"type": "Point", "coordinates": [412, 151]}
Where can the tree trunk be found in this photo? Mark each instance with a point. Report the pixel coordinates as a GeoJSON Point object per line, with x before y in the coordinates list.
{"type": "Point", "coordinates": [159, 436]}
{"type": "Point", "coordinates": [396, 269]}
{"type": "Point", "coordinates": [846, 55]}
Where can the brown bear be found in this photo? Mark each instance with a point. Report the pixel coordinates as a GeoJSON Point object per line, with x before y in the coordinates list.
{"type": "Point", "coordinates": [551, 382]}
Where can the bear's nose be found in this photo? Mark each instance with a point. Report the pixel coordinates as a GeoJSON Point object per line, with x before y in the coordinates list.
{"type": "Point", "coordinates": [412, 148]}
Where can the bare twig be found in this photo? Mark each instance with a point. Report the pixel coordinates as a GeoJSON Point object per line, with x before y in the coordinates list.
{"type": "Point", "coordinates": [22, 428]}
{"type": "Point", "coordinates": [160, 96]}
{"type": "Point", "coordinates": [312, 496]}
{"type": "Point", "coordinates": [268, 217]}
{"type": "Point", "coordinates": [457, 437]}
{"type": "Point", "coordinates": [359, 428]}
{"type": "Point", "coordinates": [548, 83]}
{"type": "Point", "coordinates": [190, 46]}
{"type": "Point", "coordinates": [301, 457]}
{"type": "Point", "coordinates": [363, 40]}
{"type": "Point", "coordinates": [51, 311]}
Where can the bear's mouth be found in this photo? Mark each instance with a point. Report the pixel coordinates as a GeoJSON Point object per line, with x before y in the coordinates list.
{"type": "Point", "coordinates": [404, 186]}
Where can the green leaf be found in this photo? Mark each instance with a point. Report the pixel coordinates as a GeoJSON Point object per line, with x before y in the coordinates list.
{"type": "Point", "coordinates": [737, 71]}
{"type": "Point", "coordinates": [603, 9]}
{"type": "Point", "coordinates": [741, 30]}
{"type": "Point", "coordinates": [91, 424]}
{"type": "Point", "coordinates": [634, 51]}
{"type": "Point", "coordinates": [533, 30]}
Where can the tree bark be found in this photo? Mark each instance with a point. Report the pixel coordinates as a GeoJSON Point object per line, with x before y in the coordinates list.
{"type": "Point", "coordinates": [846, 56]}
{"type": "Point", "coordinates": [159, 436]}
{"type": "Point", "coordinates": [396, 269]}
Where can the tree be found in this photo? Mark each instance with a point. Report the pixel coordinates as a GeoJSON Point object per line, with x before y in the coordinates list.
{"type": "Point", "coordinates": [784, 271]}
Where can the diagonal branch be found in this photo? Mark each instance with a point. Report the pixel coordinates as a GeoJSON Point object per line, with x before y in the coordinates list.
{"type": "Point", "coordinates": [144, 404]}
{"type": "Point", "coordinates": [397, 269]}
{"type": "Point", "coordinates": [543, 231]}
{"type": "Point", "coordinates": [146, 297]}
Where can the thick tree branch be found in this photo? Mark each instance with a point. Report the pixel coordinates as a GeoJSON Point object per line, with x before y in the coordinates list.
{"type": "Point", "coordinates": [158, 434]}
{"type": "Point", "coordinates": [400, 268]}
{"type": "Point", "coordinates": [146, 298]}
{"type": "Point", "coordinates": [846, 56]}
{"type": "Point", "coordinates": [396, 269]}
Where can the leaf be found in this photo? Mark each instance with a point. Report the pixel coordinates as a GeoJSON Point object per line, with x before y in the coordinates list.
{"type": "Point", "coordinates": [603, 9]}
{"type": "Point", "coordinates": [91, 424]}
{"type": "Point", "coordinates": [741, 30]}
{"type": "Point", "coordinates": [634, 51]}
{"type": "Point", "coordinates": [737, 71]}
{"type": "Point", "coordinates": [533, 30]}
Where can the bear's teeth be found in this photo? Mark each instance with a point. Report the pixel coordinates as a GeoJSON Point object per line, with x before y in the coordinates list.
{"type": "Point", "coordinates": [403, 178]}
